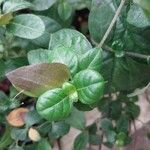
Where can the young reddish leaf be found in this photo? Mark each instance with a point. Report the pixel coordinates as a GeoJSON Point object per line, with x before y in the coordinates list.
{"type": "Point", "coordinates": [36, 79]}
{"type": "Point", "coordinates": [16, 117]}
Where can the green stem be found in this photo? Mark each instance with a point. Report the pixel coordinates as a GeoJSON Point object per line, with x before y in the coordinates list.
{"type": "Point", "coordinates": [131, 54]}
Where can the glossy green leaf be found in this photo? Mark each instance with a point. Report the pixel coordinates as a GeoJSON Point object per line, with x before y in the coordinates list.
{"type": "Point", "coordinates": [39, 5]}
{"type": "Point", "coordinates": [81, 141]}
{"type": "Point", "coordinates": [38, 56]}
{"type": "Point", "coordinates": [27, 26]}
{"type": "Point", "coordinates": [76, 119]}
{"type": "Point", "coordinates": [15, 5]}
{"type": "Point", "coordinates": [70, 90]}
{"type": "Point", "coordinates": [59, 129]}
{"type": "Point", "coordinates": [71, 39]}
{"type": "Point", "coordinates": [65, 56]}
{"type": "Point", "coordinates": [90, 86]}
{"type": "Point", "coordinates": [19, 134]}
{"type": "Point", "coordinates": [54, 105]}
{"type": "Point", "coordinates": [91, 60]}
{"type": "Point", "coordinates": [5, 18]}
{"type": "Point", "coordinates": [98, 22]}
{"type": "Point", "coordinates": [44, 145]}
{"type": "Point", "coordinates": [64, 10]}
{"type": "Point", "coordinates": [137, 17]}
{"type": "Point", "coordinates": [34, 80]}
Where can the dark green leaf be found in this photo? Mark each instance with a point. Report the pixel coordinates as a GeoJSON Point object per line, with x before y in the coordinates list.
{"type": "Point", "coordinates": [76, 119]}
{"type": "Point", "coordinates": [122, 124]}
{"type": "Point", "coordinates": [59, 129]}
{"type": "Point", "coordinates": [34, 80]}
{"type": "Point", "coordinates": [32, 117]}
{"type": "Point", "coordinates": [106, 124]}
{"type": "Point", "coordinates": [90, 85]}
{"type": "Point", "coordinates": [132, 110]}
{"type": "Point", "coordinates": [27, 26]}
{"type": "Point", "coordinates": [19, 134]}
{"type": "Point", "coordinates": [54, 105]}
{"type": "Point", "coordinates": [6, 139]}
{"type": "Point", "coordinates": [94, 139]}
{"type": "Point", "coordinates": [44, 145]}
{"type": "Point", "coordinates": [98, 22]}
{"type": "Point", "coordinates": [81, 141]}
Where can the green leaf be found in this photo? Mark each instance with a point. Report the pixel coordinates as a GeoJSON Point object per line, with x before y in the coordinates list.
{"type": "Point", "coordinates": [71, 39]}
{"type": "Point", "coordinates": [137, 17]}
{"type": "Point", "coordinates": [81, 141]}
{"type": "Point", "coordinates": [98, 22]}
{"type": "Point", "coordinates": [111, 136]}
{"type": "Point", "coordinates": [122, 123]}
{"type": "Point", "coordinates": [19, 134]}
{"type": "Point", "coordinates": [59, 129]}
{"type": "Point", "coordinates": [90, 86]}
{"type": "Point", "coordinates": [132, 110]}
{"type": "Point", "coordinates": [27, 26]}
{"type": "Point", "coordinates": [145, 4]}
{"type": "Point", "coordinates": [54, 105]}
{"type": "Point", "coordinates": [76, 119]}
{"type": "Point", "coordinates": [65, 56]}
{"type": "Point", "coordinates": [6, 139]}
{"type": "Point", "coordinates": [32, 117]}
{"type": "Point", "coordinates": [44, 145]}
{"type": "Point", "coordinates": [91, 60]}
{"type": "Point", "coordinates": [2, 69]}
{"type": "Point", "coordinates": [34, 80]}
{"type": "Point", "coordinates": [106, 124]}
{"type": "Point", "coordinates": [39, 5]}
{"type": "Point", "coordinates": [38, 56]}
{"type": "Point", "coordinates": [64, 10]}
{"type": "Point", "coordinates": [51, 26]}
{"type": "Point", "coordinates": [94, 139]}
{"type": "Point", "coordinates": [124, 73]}
{"type": "Point", "coordinates": [5, 18]}
{"type": "Point", "coordinates": [15, 5]}
{"type": "Point", "coordinates": [16, 147]}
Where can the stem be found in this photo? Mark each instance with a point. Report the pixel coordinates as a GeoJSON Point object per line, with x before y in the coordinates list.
{"type": "Point", "coordinates": [131, 54]}
{"type": "Point", "coordinates": [112, 23]}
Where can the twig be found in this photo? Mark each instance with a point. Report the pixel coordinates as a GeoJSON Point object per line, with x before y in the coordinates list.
{"type": "Point", "coordinates": [112, 23]}
{"type": "Point", "coordinates": [131, 54]}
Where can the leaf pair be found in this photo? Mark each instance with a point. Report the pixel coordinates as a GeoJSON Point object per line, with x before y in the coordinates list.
{"type": "Point", "coordinates": [57, 104]}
